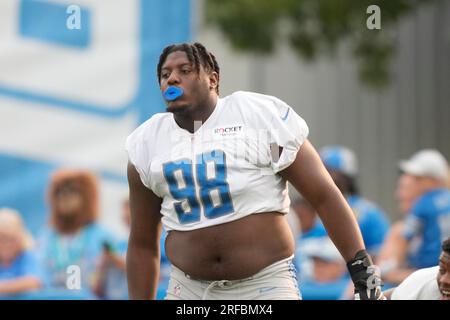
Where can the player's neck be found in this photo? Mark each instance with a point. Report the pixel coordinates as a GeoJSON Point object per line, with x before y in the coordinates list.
{"type": "Point", "coordinates": [194, 119]}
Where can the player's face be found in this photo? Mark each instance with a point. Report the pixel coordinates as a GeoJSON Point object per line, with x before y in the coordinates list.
{"type": "Point", "coordinates": [443, 277]}
{"type": "Point", "coordinates": [178, 71]}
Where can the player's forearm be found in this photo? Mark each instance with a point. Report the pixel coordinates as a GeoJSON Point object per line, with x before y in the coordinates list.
{"type": "Point", "coordinates": [402, 250]}
{"type": "Point", "coordinates": [341, 224]}
{"type": "Point", "coordinates": [142, 267]}
{"type": "Point", "coordinates": [19, 285]}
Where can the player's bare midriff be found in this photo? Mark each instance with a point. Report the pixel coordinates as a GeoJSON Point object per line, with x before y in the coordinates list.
{"type": "Point", "coordinates": [234, 250]}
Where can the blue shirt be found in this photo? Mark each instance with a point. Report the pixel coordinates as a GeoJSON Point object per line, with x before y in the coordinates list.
{"type": "Point", "coordinates": [317, 231]}
{"type": "Point", "coordinates": [301, 261]}
{"type": "Point", "coordinates": [25, 264]}
{"type": "Point", "coordinates": [371, 220]}
{"type": "Point", "coordinates": [116, 287]}
{"type": "Point", "coordinates": [427, 225]}
{"type": "Point", "coordinates": [83, 249]}
{"type": "Point", "coordinates": [316, 243]}
{"type": "Point", "coordinates": [312, 290]}
{"type": "Point", "coordinates": [164, 272]}
{"type": "Point", "coordinates": [374, 226]}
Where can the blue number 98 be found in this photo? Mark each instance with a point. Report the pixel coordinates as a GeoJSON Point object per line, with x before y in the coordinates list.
{"type": "Point", "coordinates": [186, 193]}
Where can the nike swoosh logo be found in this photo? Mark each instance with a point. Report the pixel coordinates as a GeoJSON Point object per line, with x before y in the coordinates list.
{"type": "Point", "coordinates": [286, 115]}
{"type": "Point", "coordinates": [266, 289]}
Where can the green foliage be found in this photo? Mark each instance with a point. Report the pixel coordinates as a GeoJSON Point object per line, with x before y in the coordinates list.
{"type": "Point", "coordinates": [312, 27]}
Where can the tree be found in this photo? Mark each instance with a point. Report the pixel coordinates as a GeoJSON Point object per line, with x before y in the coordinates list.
{"type": "Point", "coordinates": [313, 27]}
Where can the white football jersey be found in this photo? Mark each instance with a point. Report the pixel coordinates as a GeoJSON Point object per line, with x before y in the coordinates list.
{"type": "Point", "coordinates": [225, 170]}
{"type": "Point", "coordinates": [419, 285]}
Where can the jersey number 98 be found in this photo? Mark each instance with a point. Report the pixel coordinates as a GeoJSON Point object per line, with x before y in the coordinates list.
{"type": "Point", "coordinates": [190, 199]}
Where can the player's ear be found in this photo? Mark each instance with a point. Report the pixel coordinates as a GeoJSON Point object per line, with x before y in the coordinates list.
{"type": "Point", "coordinates": [213, 80]}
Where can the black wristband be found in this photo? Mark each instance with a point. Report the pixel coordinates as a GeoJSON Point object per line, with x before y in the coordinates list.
{"type": "Point", "coordinates": [364, 276]}
{"type": "Point", "coordinates": [359, 264]}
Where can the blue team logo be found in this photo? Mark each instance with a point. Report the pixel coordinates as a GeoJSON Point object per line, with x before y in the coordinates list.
{"type": "Point", "coordinates": [72, 69]}
{"type": "Point", "coordinates": [92, 56]}
{"type": "Point", "coordinates": [66, 54]}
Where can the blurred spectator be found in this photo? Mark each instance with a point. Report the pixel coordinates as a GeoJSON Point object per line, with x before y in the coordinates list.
{"type": "Point", "coordinates": [322, 271]}
{"type": "Point", "coordinates": [427, 284]}
{"type": "Point", "coordinates": [311, 228]}
{"type": "Point", "coordinates": [111, 280]}
{"type": "Point", "coordinates": [20, 272]}
{"type": "Point", "coordinates": [342, 165]}
{"type": "Point", "coordinates": [164, 269]}
{"type": "Point", "coordinates": [428, 222]}
{"type": "Point", "coordinates": [328, 265]}
{"type": "Point", "coordinates": [406, 193]}
{"type": "Point", "coordinates": [74, 237]}
{"type": "Point", "coordinates": [309, 221]}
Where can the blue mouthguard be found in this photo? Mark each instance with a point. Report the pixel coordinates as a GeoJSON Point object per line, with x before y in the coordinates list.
{"type": "Point", "coordinates": [173, 93]}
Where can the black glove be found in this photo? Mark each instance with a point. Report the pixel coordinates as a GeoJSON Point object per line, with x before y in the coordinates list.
{"type": "Point", "coordinates": [366, 277]}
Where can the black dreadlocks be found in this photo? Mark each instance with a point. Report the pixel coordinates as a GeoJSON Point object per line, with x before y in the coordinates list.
{"type": "Point", "coordinates": [196, 53]}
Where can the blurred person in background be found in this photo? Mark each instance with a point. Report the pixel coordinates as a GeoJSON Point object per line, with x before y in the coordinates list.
{"type": "Point", "coordinates": [406, 193]}
{"type": "Point", "coordinates": [111, 279]}
{"type": "Point", "coordinates": [329, 277]}
{"type": "Point", "coordinates": [309, 222]}
{"type": "Point", "coordinates": [74, 237]}
{"type": "Point", "coordinates": [342, 165]}
{"type": "Point", "coordinates": [20, 272]}
{"type": "Point", "coordinates": [310, 229]}
{"type": "Point", "coordinates": [431, 283]}
{"type": "Point", "coordinates": [321, 269]}
{"type": "Point", "coordinates": [427, 224]}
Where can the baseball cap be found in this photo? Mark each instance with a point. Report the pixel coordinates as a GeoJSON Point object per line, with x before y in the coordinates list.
{"type": "Point", "coordinates": [426, 163]}
{"type": "Point", "coordinates": [322, 248]}
{"type": "Point", "coordinates": [339, 158]}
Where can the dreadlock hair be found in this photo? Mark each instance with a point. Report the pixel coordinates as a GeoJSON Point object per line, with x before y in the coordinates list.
{"type": "Point", "coordinates": [446, 245]}
{"type": "Point", "coordinates": [196, 53]}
